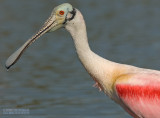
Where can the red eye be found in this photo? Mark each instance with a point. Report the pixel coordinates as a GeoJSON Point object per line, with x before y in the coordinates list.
{"type": "Point", "coordinates": [61, 12]}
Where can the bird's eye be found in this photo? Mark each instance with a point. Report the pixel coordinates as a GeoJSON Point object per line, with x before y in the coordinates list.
{"type": "Point", "coordinates": [61, 12]}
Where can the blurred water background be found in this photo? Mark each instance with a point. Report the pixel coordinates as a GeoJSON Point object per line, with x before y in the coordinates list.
{"type": "Point", "coordinates": [49, 80]}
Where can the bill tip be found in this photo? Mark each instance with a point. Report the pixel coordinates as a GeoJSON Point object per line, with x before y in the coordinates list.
{"type": "Point", "coordinates": [7, 67]}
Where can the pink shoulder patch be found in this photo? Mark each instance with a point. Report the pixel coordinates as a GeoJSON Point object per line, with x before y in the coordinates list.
{"type": "Point", "coordinates": [144, 101]}
{"type": "Point", "coordinates": [137, 91]}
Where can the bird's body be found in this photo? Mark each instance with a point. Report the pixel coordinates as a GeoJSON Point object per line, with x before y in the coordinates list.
{"type": "Point", "coordinates": [136, 89]}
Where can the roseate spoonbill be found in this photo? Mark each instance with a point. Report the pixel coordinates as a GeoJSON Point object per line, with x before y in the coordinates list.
{"type": "Point", "coordinates": [137, 90]}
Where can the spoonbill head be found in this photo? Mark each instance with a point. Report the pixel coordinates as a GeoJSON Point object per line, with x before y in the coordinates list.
{"type": "Point", "coordinates": [58, 18]}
